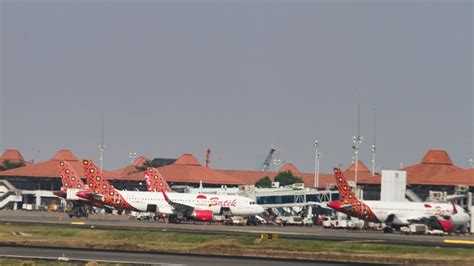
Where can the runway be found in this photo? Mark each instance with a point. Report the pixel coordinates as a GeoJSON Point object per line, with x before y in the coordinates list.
{"type": "Point", "coordinates": [124, 257]}
{"type": "Point", "coordinates": [122, 222]}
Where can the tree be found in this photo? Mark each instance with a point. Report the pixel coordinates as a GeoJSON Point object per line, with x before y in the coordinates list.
{"type": "Point", "coordinates": [287, 178]}
{"type": "Point", "coordinates": [7, 165]}
{"type": "Point", "coordinates": [264, 182]}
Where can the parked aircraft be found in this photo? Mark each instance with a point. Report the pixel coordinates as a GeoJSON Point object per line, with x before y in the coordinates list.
{"type": "Point", "coordinates": [201, 207]}
{"type": "Point", "coordinates": [69, 178]}
{"type": "Point", "coordinates": [446, 216]}
{"type": "Point", "coordinates": [155, 181]}
{"type": "Point", "coordinates": [72, 182]}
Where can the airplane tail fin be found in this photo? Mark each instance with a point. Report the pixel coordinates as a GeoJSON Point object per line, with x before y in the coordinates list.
{"type": "Point", "coordinates": [455, 210]}
{"type": "Point", "coordinates": [95, 179]}
{"type": "Point", "coordinates": [345, 192]}
{"type": "Point", "coordinates": [69, 177]}
{"type": "Point", "coordinates": [155, 181]}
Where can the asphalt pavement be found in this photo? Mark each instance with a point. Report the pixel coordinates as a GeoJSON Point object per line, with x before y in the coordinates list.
{"type": "Point", "coordinates": [123, 222]}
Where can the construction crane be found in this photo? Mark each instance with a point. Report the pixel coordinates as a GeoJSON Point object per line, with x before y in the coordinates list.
{"type": "Point", "coordinates": [208, 157]}
{"type": "Point", "coordinates": [266, 163]}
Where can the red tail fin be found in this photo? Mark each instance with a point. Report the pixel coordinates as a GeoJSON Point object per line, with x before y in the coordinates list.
{"type": "Point", "coordinates": [155, 181]}
{"type": "Point", "coordinates": [98, 184]}
{"type": "Point", "coordinates": [345, 192]}
{"type": "Point", "coordinates": [166, 196]}
{"type": "Point", "coordinates": [95, 179]}
{"type": "Point", "coordinates": [69, 176]}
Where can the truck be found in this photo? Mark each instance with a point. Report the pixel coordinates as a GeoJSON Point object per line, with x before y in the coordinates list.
{"type": "Point", "coordinates": [142, 215]}
{"type": "Point", "coordinates": [237, 220]}
{"type": "Point", "coordinates": [414, 229]}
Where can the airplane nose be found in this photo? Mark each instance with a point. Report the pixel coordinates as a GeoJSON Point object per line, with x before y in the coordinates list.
{"type": "Point", "coordinates": [260, 209]}
{"type": "Point", "coordinates": [82, 194]}
{"type": "Point", "coordinates": [336, 205]}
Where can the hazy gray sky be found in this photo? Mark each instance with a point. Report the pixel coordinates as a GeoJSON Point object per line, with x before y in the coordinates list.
{"type": "Point", "coordinates": [175, 77]}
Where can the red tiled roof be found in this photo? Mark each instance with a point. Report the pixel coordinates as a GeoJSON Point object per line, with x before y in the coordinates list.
{"type": "Point", "coordinates": [462, 177]}
{"type": "Point", "coordinates": [248, 177]}
{"type": "Point", "coordinates": [187, 159]}
{"type": "Point", "coordinates": [190, 174]}
{"type": "Point", "coordinates": [12, 155]}
{"type": "Point", "coordinates": [130, 169]}
{"type": "Point", "coordinates": [324, 179]}
{"type": "Point", "coordinates": [187, 169]}
{"type": "Point", "coordinates": [50, 168]}
{"type": "Point", "coordinates": [437, 157]}
{"type": "Point", "coordinates": [139, 161]}
{"type": "Point", "coordinates": [434, 163]}
{"type": "Point", "coordinates": [289, 167]}
{"type": "Point", "coordinates": [64, 155]}
{"type": "Point", "coordinates": [364, 175]}
{"type": "Point", "coordinates": [360, 167]}
{"type": "Point", "coordinates": [251, 177]}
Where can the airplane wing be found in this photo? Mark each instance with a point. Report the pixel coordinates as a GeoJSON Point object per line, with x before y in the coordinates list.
{"type": "Point", "coordinates": [416, 219]}
{"type": "Point", "coordinates": [320, 204]}
{"type": "Point", "coordinates": [325, 205]}
{"type": "Point", "coordinates": [455, 197]}
{"type": "Point", "coordinates": [182, 208]}
{"type": "Point", "coordinates": [90, 196]}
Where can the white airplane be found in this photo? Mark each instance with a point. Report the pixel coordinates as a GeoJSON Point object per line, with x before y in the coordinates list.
{"type": "Point", "coordinates": [200, 207]}
{"type": "Point", "coordinates": [445, 216]}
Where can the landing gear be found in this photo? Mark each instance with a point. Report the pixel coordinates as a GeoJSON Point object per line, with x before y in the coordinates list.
{"type": "Point", "coordinates": [78, 211]}
{"type": "Point", "coordinates": [174, 219]}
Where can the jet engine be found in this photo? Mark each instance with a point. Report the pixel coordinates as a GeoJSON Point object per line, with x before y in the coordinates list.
{"type": "Point", "coordinates": [446, 225]}
{"type": "Point", "coordinates": [202, 215]}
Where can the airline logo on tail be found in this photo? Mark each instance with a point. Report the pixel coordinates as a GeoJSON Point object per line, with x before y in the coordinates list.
{"type": "Point", "coordinates": [345, 191]}
{"type": "Point", "coordinates": [348, 202]}
{"type": "Point", "coordinates": [69, 177]}
{"type": "Point", "coordinates": [155, 181]}
{"type": "Point", "coordinates": [98, 184]}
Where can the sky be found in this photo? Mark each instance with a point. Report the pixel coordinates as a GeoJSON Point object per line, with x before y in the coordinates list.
{"type": "Point", "coordinates": [174, 77]}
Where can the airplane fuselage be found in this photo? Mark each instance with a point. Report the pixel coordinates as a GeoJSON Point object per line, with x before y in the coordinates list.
{"type": "Point", "coordinates": [237, 205]}
{"type": "Point", "coordinates": [401, 213]}
{"type": "Point", "coordinates": [405, 211]}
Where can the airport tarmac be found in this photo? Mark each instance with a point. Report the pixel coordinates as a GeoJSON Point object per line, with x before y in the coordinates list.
{"type": "Point", "coordinates": [123, 257]}
{"type": "Point", "coordinates": [123, 222]}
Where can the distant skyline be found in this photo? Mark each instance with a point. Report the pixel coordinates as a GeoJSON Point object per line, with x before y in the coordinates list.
{"type": "Point", "coordinates": [174, 77]}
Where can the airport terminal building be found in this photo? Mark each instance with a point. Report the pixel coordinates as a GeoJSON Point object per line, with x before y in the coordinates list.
{"type": "Point", "coordinates": [34, 183]}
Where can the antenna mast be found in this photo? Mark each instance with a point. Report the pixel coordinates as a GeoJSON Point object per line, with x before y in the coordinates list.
{"type": "Point", "coordinates": [101, 145]}
{"type": "Point", "coordinates": [375, 142]}
{"type": "Point", "coordinates": [356, 141]}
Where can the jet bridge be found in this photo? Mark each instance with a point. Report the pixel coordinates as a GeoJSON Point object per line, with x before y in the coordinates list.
{"type": "Point", "coordinates": [286, 197]}
{"type": "Point", "coordinates": [9, 195]}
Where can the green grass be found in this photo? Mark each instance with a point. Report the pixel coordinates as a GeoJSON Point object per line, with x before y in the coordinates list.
{"type": "Point", "coordinates": [215, 244]}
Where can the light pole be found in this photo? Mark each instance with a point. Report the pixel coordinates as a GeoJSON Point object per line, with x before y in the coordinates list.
{"type": "Point", "coordinates": [101, 154]}
{"type": "Point", "coordinates": [373, 159]}
{"type": "Point", "coordinates": [316, 164]}
{"type": "Point", "coordinates": [356, 141]}
{"type": "Point", "coordinates": [375, 142]}
{"type": "Point", "coordinates": [132, 156]}
{"type": "Point", "coordinates": [277, 163]}
{"type": "Point", "coordinates": [102, 145]}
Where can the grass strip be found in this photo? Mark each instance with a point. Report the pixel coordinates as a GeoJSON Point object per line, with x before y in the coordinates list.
{"type": "Point", "coordinates": [234, 245]}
